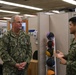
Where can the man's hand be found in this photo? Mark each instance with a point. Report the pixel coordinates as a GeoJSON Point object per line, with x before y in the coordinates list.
{"type": "Point", "coordinates": [23, 64]}
{"type": "Point", "coordinates": [20, 66]}
{"type": "Point", "coordinates": [63, 61]}
{"type": "Point", "coordinates": [59, 54]}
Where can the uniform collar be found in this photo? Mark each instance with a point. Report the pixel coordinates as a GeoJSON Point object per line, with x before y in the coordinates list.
{"type": "Point", "coordinates": [15, 35]}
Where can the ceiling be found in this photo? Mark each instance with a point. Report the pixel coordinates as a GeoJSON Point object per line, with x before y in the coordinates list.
{"type": "Point", "coordinates": [47, 5]}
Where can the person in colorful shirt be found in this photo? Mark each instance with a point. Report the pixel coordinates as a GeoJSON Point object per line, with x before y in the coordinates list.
{"type": "Point", "coordinates": [15, 49]}
{"type": "Point", "coordinates": [70, 59]}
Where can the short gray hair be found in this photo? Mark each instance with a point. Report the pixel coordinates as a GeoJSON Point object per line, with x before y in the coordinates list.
{"type": "Point", "coordinates": [13, 19]}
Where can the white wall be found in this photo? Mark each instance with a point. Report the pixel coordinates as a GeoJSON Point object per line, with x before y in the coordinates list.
{"type": "Point", "coordinates": [33, 24]}
{"type": "Point", "coordinates": [43, 29]}
{"type": "Point", "coordinates": [59, 26]}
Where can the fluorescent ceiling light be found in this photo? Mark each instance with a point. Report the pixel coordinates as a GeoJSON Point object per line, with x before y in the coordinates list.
{"type": "Point", "coordinates": [6, 11]}
{"type": "Point", "coordinates": [28, 15]}
{"type": "Point", "coordinates": [20, 5]}
{"type": "Point", "coordinates": [6, 18]}
{"type": "Point", "coordinates": [55, 11]}
{"type": "Point", "coordinates": [70, 1]}
{"type": "Point", "coordinates": [21, 16]}
{"type": "Point", "coordinates": [3, 21]}
{"type": "Point", "coordinates": [48, 13]}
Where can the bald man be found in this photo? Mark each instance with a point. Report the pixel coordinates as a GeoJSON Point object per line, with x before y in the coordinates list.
{"type": "Point", "coordinates": [15, 49]}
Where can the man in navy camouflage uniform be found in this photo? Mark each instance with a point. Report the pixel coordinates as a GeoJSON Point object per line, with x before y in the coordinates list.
{"type": "Point", "coordinates": [70, 59]}
{"type": "Point", "coordinates": [15, 49]}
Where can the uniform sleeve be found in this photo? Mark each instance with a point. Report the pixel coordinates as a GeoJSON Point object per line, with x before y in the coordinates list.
{"type": "Point", "coordinates": [4, 52]}
{"type": "Point", "coordinates": [71, 62]}
{"type": "Point", "coordinates": [29, 50]}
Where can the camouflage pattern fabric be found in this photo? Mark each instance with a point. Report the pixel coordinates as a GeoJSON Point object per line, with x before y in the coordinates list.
{"type": "Point", "coordinates": [15, 49]}
{"type": "Point", "coordinates": [71, 59]}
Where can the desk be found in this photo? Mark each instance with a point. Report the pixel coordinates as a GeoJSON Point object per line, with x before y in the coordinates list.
{"type": "Point", "coordinates": [33, 68]}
